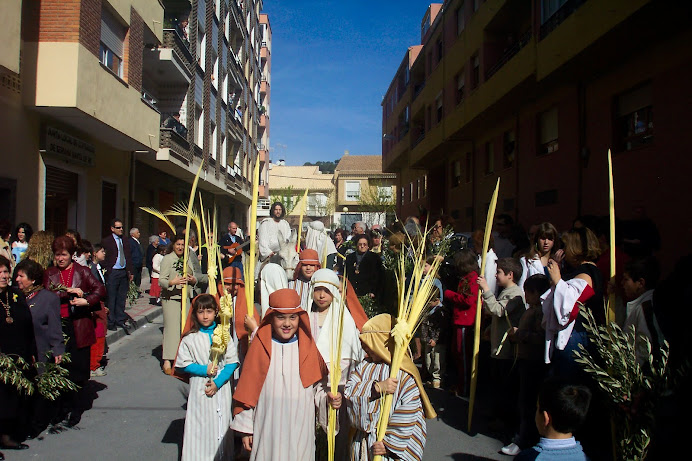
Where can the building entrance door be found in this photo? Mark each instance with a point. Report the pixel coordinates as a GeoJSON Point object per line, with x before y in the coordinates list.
{"type": "Point", "coordinates": [62, 189]}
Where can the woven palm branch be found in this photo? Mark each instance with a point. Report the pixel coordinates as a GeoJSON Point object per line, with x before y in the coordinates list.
{"type": "Point", "coordinates": [413, 301]}
{"type": "Point", "coordinates": [160, 215]}
{"type": "Point", "coordinates": [335, 347]}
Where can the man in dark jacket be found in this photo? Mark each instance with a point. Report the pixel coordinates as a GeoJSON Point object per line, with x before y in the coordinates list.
{"type": "Point", "coordinates": [119, 273]}
{"type": "Point", "coordinates": [137, 256]}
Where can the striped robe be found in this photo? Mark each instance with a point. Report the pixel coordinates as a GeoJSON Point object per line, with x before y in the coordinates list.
{"type": "Point", "coordinates": [406, 431]}
{"type": "Point", "coordinates": [283, 423]}
{"type": "Point", "coordinates": [207, 420]}
{"type": "Point", "coordinates": [303, 290]}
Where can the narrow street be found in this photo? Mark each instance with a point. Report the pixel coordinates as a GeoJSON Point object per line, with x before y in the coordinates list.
{"type": "Point", "coordinates": [138, 414]}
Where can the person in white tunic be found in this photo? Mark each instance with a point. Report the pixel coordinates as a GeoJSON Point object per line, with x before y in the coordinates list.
{"type": "Point", "coordinates": [308, 264]}
{"type": "Point", "coordinates": [318, 240]}
{"type": "Point", "coordinates": [282, 386]}
{"type": "Point", "coordinates": [272, 230]}
{"type": "Point", "coordinates": [273, 278]}
{"type": "Point", "coordinates": [324, 312]}
{"type": "Point", "coordinates": [207, 420]}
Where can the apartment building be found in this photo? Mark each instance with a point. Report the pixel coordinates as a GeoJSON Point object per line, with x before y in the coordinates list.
{"type": "Point", "coordinates": [363, 191]}
{"type": "Point", "coordinates": [288, 185]}
{"type": "Point", "coordinates": [117, 103]}
{"type": "Point", "coordinates": [535, 93]}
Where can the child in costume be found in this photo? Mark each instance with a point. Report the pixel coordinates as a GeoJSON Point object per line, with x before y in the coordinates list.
{"type": "Point", "coordinates": [282, 385]}
{"type": "Point", "coordinates": [406, 432]}
{"type": "Point", "coordinates": [207, 433]}
{"type": "Point", "coordinates": [326, 296]}
{"type": "Point", "coordinates": [308, 264]}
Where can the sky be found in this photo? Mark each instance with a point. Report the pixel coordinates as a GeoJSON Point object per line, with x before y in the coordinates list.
{"type": "Point", "coordinates": [332, 62]}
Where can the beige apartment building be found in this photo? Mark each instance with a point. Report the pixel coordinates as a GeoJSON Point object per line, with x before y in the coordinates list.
{"type": "Point", "coordinates": [288, 185]}
{"type": "Point", "coordinates": [363, 191]}
{"type": "Point", "coordinates": [115, 104]}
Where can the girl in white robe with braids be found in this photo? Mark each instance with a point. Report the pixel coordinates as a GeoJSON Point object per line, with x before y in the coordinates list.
{"type": "Point", "coordinates": [207, 421]}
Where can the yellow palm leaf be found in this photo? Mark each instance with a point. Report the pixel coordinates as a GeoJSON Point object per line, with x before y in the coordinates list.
{"type": "Point", "coordinates": [154, 212]}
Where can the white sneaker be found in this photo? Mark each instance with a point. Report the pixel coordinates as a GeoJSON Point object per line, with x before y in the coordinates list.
{"type": "Point", "coordinates": [512, 449]}
{"type": "Point", "coordinates": [100, 371]}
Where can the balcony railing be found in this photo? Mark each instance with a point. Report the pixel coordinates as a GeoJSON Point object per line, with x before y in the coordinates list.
{"type": "Point", "coordinates": [176, 143]}
{"type": "Point", "coordinates": [261, 147]}
{"type": "Point", "coordinates": [173, 39]}
{"type": "Point", "coordinates": [264, 44]}
{"type": "Point", "coordinates": [509, 54]}
{"type": "Point", "coordinates": [559, 16]}
{"type": "Point", "coordinates": [417, 89]}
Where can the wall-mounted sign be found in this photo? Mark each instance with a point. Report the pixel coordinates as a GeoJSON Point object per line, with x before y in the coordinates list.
{"type": "Point", "coordinates": [69, 148]}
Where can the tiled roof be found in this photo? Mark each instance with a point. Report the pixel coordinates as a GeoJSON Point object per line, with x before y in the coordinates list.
{"type": "Point", "coordinates": [300, 178]}
{"type": "Point", "coordinates": [360, 164]}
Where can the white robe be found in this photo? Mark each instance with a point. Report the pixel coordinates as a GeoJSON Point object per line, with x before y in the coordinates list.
{"type": "Point", "coordinates": [283, 422]}
{"type": "Point", "coordinates": [207, 420]}
{"type": "Point", "coordinates": [303, 289]}
{"type": "Point", "coordinates": [268, 235]}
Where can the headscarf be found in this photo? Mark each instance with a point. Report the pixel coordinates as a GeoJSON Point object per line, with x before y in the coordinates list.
{"type": "Point", "coordinates": [377, 338]}
{"type": "Point", "coordinates": [350, 348]}
{"type": "Point", "coordinates": [273, 277]}
{"type": "Point", "coordinates": [316, 238]}
{"type": "Point", "coordinates": [307, 256]}
{"type": "Point", "coordinates": [258, 358]}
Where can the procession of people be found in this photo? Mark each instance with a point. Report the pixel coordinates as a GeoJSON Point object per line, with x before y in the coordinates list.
{"type": "Point", "coordinates": [269, 395]}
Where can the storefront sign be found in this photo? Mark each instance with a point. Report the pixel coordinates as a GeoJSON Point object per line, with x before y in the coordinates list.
{"type": "Point", "coordinates": [69, 148]}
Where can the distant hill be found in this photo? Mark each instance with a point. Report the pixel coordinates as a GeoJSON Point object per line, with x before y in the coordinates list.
{"type": "Point", "coordinates": [325, 167]}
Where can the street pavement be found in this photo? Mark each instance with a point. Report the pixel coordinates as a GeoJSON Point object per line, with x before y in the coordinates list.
{"type": "Point", "coordinates": [138, 413]}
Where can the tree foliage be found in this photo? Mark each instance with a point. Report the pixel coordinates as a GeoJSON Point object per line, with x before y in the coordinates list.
{"type": "Point", "coordinates": [325, 167]}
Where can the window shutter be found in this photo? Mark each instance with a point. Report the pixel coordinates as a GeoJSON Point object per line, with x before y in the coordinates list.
{"type": "Point", "coordinates": [112, 33]}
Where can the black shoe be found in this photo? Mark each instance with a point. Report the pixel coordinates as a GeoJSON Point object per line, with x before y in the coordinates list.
{"type": "Point", "coordinates": [19, 446]}
{"type": "Point", "coordinates": [127, 328]}
{"type": "Point", "coordinates": [2, 457]}
{"type": "Point", "coordinates": [112, 327]}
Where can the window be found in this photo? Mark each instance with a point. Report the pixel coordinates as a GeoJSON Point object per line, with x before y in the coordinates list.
{"type": "Point", "coordinates": [509, 147]}
{"type": "Point", "coordinates": [384, 192]}
{"type": "Point", "coordinates": [475, 71]}
{"type": "Point", "coordinates": [418, 191]}
{"type": "Point", "coordinates": [468, 167]}
{"type": "Point", "coordinates": [410, 191]}
{"type": "Point", "coordinates": [425, 185]}
{"type": "Point", "coordinates": [546, 197]}
{"type": "Point", "coordinates": [199, 125]}
{"type": "Point", "coordinates": [456, 173]}
{"type": "Point", "coordinates": [460, 18]}
{"type": "Point", "coordinates": [440, 50]}
{"type": "Point", "coordinates": [112, 43]}
{"type": "Point", "coordinates": [403, 195]}
{"type": "Point", "coordinates": [426, 24]}
{"type": "Point", "coordinates": [634, 118]}
{"type": "Point", "coordinates": [489, 158]}
{"type": "Point", "coordinates": [549, 8]}
{"type": "Point", "coordinates": [212, 141]}
{"type": "Point", "coordinates": [428, 119]}
{"type": "Point", "coordinates": [352, 190]}
{"type": "Point", "coordinates": [547, 132]}
{"type": "Point", "coordinates": [428, 63]}
{"type": "Point", "coordinates": [461, 86]}
{"type": "Point", "coordinates": [438, 106]}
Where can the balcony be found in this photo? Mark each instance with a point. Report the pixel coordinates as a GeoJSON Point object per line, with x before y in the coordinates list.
{"type": "Point", "coordinates": [264, 52]}
{"type": "Point", "coordinates": [509, 53]}
{"type": "Point", "coordinates": [263, 153]}
{"type": "Point", "coordinates": [263, 121]}
{"type": "Point", "coordinates": [559, 16]}
{"type": "Point", "coordinates": [165, 65]}
{"type": "Point", "coordinates": [264, 85]}
{"type": "Point", "coordinates": [264, 191]}
{"type": "Point", "coordinates": [172, 39]}
{"type": "Point", "coordinates": [174, 145]}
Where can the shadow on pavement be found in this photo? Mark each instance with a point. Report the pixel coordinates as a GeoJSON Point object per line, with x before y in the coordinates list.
{"type": "Point", "coordinates": [467, 457]}
{"type": "Point", "coordinates": [174, 434]}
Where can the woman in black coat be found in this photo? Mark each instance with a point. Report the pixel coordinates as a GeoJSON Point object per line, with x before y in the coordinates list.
{"type": "Point", "coordinates": [16, 340]}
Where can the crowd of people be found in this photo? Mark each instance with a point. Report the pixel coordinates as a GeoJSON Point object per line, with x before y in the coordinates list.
{"type": "Point", "coordinates": [270, 392]}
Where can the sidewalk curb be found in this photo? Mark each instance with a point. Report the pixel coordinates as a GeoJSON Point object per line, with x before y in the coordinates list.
{"type": "Point", "coordinates": [114, 336]}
